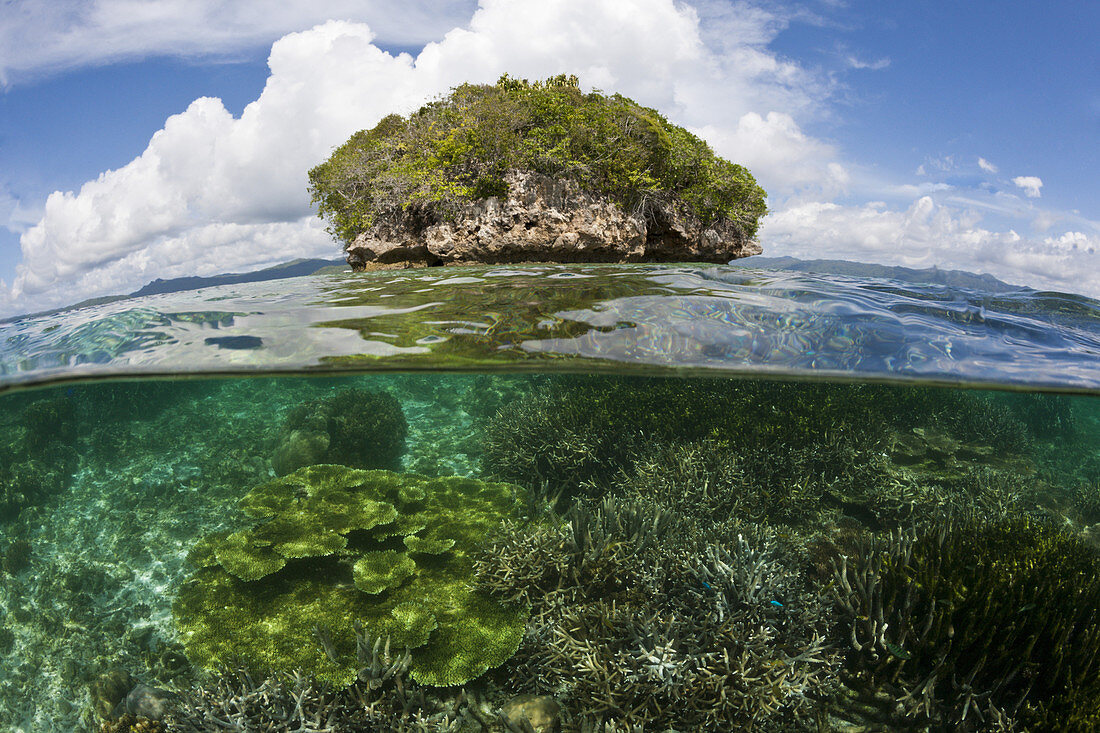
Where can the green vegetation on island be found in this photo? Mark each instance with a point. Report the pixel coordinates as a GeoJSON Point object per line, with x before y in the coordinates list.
{"type": "Point", "coordinates": [411, 172]}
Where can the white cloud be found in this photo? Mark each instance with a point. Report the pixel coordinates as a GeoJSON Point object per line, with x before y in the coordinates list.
{"type": "Point", "coordinates": [913, 190]}
{"type": "Point", "coordinates": [875, 65]}
{"type": "Point", "coordinates": [214, 193]}
{"type": "Point", "coordinates": [1030, 185]}
{"type": "Point", "coordinates": [783, 158]}
{"type": "Point", "coordinates": [39, 37]}
{"type": "Point", "coordinates": [208, 177]}
{"type": "Point", "coordinates": [927, 234]}
{"type": "Point", "coordinates": [986, 166]}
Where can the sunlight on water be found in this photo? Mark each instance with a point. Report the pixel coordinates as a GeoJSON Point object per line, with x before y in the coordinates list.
{"type": "Point", "coordinates": [725, 319]}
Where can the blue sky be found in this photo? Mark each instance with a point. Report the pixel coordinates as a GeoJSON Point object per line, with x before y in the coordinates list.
{"type": "Point", "coordinates": [951, 134]}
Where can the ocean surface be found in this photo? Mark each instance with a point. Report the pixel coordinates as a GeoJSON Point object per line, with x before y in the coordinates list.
{"type": "Point", "coordinates": [621, 497]}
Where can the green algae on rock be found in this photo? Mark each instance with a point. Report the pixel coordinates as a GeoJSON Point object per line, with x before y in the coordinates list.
{"type": "Point", "coordinates": [327, 554]}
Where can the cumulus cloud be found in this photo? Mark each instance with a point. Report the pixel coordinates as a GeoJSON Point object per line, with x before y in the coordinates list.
{"type": "Point", "coordinates": [208, 179]}
{"type": "Point", "coordinates": [214, 193]}
{"type": "Point", "coordinates": [784, 158]}
{"type": "Point", "coordinates": [41, 37]}
{"type": "Point", "coordinates": [986, 166]}
{"type": "Point", "coordinates": [926, 234]}
{"type": "Point", "coordinates": [1030, 185]}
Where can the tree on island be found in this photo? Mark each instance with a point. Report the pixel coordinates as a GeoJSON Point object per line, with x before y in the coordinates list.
{"type": "Point", "coordinates": [409, 173]}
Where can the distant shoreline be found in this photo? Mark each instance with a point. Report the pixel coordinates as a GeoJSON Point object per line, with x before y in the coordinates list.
{"type": "Point", "coordinates": [300, 267]}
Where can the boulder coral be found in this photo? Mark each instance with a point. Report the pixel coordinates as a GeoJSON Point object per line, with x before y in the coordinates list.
{"type": "Point", "coordinates": [354, 427]}
{"type": "Point", "coordinates": [335, 546]}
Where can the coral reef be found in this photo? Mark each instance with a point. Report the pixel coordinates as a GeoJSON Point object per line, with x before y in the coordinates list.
{"type": "Point", "coordinates": [37, 454]}
{"type": "Point", "coordinates": [1086, 499]}
{"type": "Point", "coordinates": [129, 401]}
{"type": "Point", "coordinates": [626, 590]}
{"type": "Point", "coordinates": [975, 623]}
{"type": "Point", "coordinates": [132, 724]}
{"type": "Point", "coordinates": [788, 453]}
{"type": "Point", "coordinates": [16, 556]}
{"type": "Point", "coordinates": [579, 434]}
{"type": "Point", "coordinates": [50, 422]}
{"type": "Point", "coordinates": [387, 549]}
{"type": "Point", "coordinates": [1046, 416]}
{"type": "Point", "coordinates": [354, 427]}
{"type": "Point", "coordinates": [108, 549]}
{"type": "Point", "coordinates": [793, 485]}
{"type": "Point", "coordinates": [639, 622]}
{"type": "Point", "coordinates": [380, 699]}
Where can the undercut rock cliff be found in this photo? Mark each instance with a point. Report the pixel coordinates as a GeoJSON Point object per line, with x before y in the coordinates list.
{"type": "Point", "coordinates": [544, 219]}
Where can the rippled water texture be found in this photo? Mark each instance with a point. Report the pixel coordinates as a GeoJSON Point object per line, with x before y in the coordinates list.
{"type": "Point", "coordinates": [609, 317]}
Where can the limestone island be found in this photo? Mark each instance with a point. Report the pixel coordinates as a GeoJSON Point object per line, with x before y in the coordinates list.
{"type": "Point", "coordinates": [539, 171]}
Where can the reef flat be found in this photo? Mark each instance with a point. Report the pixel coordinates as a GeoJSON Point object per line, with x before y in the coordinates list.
{"type": "Point", "coordinates": [548, 552]}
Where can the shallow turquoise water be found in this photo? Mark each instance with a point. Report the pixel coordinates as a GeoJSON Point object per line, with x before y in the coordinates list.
{"type": "Point", "coordinates": [611, 317]}
{"type": "Point", "coordinates": [781, 419]}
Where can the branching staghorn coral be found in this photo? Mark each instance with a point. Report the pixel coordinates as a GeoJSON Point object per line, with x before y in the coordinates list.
{"type": "Point", "coordinates": [976, 623]}
{"type": "Point", "coordinates": [639, 624]}
{"type": "Point", "coordinates": [381, 699]}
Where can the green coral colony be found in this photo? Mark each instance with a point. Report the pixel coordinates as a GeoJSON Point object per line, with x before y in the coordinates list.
{"type": "Point", "coordinates": [337, 545]}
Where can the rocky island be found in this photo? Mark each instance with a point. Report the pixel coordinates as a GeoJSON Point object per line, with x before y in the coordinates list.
{"type": "Point", "coordinates": [537, 171]}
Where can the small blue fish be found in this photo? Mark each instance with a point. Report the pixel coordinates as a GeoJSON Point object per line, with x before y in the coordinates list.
{"type": "Point", "coordinates": [707, 585]}
{"type": "Point", "coordinates": [777, 604]}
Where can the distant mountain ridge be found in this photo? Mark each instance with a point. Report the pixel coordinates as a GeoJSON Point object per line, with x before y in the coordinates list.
{"type": "Point", "coordinates": [293, 268]}
{"type": "Point", "coordinates": [927, 276]}
{"type": "Point", "coordinates": [299, 267]}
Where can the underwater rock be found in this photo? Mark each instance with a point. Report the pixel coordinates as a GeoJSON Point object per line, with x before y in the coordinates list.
{"type": "Point", "coordinates": [940, 445]}
{"type": "Point", "coordinates": [355, 427]}
{"type": "Point", "coordinates": [297, 449]}
{"type": "Point", "coordinates": [908, 450]}
{"type": "Point", "coordinates": [541, 712]}
{"type": "Point", "coordinates": [148, 702]}
{"type": "Point", "coordinates": [336, 544]}
{"type": "Point", "coordinates": [108, 690]}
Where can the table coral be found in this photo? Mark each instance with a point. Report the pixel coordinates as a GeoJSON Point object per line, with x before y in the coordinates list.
{"type": "Point", "coordinates": [337, 545]}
